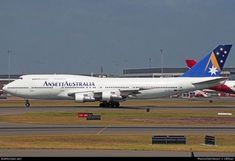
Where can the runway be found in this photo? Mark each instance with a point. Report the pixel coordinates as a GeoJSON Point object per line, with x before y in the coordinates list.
{"type": "Point", "coordinates": [18, 129]}
{"type": "Point", "coordinates": [21, 110]}
{"type": "Point", "coordinates": [105, 153]}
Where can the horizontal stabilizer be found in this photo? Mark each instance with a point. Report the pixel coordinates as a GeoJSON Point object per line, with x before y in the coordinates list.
{"type": "Point", "coordinates": [220, 80]}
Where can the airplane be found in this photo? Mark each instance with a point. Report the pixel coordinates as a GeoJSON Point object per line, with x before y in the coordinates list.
{"type": "Point", "coordinates": [111, 91]}
{"type": "Point", "coordinates": [227, 87]}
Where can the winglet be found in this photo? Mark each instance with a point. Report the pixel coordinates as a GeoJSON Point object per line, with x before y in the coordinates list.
{"type": "Point", "coordinates": [211, 65]}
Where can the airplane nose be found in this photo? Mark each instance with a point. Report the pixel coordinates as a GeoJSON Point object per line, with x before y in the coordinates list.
{"type": "Point", "coordinates": [4, 88]}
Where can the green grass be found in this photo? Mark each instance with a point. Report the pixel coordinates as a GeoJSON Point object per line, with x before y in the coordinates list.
{"type": "Point", "coordinates": [156, 117]}
{"type": "Point", "coordinates": [112, 142]}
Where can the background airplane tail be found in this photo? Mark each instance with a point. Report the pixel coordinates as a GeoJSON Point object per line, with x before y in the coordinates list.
{"type": "Point", "coordinates": [190, 63]}
{"type": "Point", "coordinates": [211, 65]}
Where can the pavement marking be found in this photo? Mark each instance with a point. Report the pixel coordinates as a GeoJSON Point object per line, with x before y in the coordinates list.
{"type": "Point", "coordinates": [102, 130]}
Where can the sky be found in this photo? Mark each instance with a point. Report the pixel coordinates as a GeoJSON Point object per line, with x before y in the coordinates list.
{"type": "Point", "coordinates": [80, 36]}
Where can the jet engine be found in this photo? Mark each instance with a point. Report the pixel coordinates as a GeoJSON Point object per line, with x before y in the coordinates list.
{"type": "Point", "coordinates": [84, 97]}
{"type": "Point", "coordinates": [111, 96]}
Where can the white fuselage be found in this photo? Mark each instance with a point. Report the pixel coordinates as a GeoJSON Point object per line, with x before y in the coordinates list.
{"type": "Point", "coordinates": [63, 86]}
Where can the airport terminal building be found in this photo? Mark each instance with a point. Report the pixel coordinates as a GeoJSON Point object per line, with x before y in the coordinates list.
{"type": "Point", "coordinates": [169, 72]}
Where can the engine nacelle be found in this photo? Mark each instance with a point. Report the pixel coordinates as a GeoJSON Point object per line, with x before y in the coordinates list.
{"type": "Point", "coordinates": [111, 96]}
{"type": "Point", "coordinates": [84, 97]}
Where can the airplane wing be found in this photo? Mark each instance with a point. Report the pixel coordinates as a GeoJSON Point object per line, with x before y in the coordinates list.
{"type": "Point", "coordinates": [98, 93]}
{"type": "Point", "coordinates": [127, 92]}
{"type": "Point", "coordinates": [124, 92]}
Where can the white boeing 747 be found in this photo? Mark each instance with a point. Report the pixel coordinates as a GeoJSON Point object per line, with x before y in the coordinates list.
{"type": "Point", "coordinates": [111, 91]}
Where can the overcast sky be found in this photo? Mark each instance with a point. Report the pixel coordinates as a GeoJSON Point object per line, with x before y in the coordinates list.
{"type": "Point", "coordinates": [80, 36]}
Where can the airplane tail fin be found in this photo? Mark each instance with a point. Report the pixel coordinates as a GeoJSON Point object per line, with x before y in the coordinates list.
{"type": "Point", "coordinates": [190, 63]}
{"type": "Point", "coordinates": [211, 65]}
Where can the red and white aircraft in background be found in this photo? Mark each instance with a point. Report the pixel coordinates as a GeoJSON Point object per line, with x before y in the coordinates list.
{"type": "Point", "coordinates": [227, 87]}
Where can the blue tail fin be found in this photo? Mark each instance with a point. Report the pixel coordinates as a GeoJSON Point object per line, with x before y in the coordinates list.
{"type": "Point", "coordinates": [211, 65]}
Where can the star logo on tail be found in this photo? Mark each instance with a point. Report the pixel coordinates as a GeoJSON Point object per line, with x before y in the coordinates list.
{"type": "Point", "coordinates": [213, 70]}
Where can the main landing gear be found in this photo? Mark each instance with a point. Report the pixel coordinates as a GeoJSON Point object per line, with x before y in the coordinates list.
{"type": "Point", "coordinates": [27, 104]}
{"type": "Point", "coordinates": [110, 104]}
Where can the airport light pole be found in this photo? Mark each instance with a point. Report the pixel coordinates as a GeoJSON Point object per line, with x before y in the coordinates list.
{"type": "Point", "coordinates": [161, 62]}
{"type": "Point", "coordinates": [150, 61]}
{"type": "Point", "coordinates": [101, 70]}
{"type": "Point", "coordinates": [9, 65]}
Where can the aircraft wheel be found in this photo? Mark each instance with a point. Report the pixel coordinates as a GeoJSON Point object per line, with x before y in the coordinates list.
{"type": "Point", "coordinates": [111, 104]}
{"type": "Point", "coordinates": [114, 104]}
{"type": "Point", "coordinates": [101, 104]}
{"type": "Point", "coordinates": [104, 104]}
{"type": "Point", "coordinates": [117, 104]}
